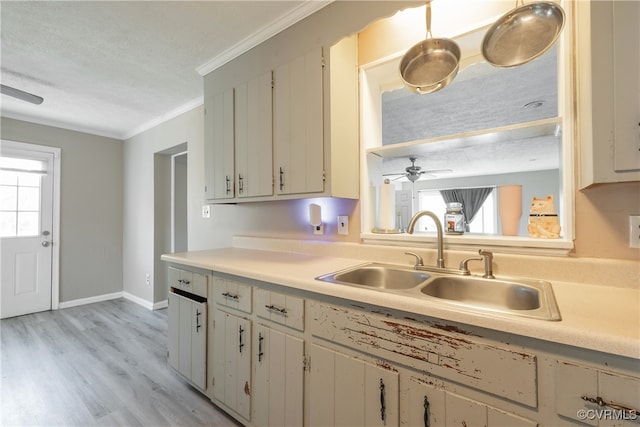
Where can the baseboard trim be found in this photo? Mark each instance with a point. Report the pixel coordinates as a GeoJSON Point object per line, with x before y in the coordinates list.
{"type": "Point", "coordinates": [161, 304]}
{"type": "Point", "coordinates": [126, 295]}
{"type": "Point", "coordinates": [90, 300]}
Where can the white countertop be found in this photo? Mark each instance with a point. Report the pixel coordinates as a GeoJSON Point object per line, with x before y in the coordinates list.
{"type": "Point", "coordinates": [601, 318]}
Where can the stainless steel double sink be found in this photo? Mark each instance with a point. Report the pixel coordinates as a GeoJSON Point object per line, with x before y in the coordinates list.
{"type": "Point", "coordinates": [511, 296]}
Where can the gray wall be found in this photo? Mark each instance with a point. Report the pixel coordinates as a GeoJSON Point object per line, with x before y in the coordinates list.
{"type": "Point", "coordinates": [90, 206]}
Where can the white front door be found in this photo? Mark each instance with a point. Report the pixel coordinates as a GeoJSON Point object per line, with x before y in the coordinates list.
{"type": "Point", "coordinates": [26, 230]}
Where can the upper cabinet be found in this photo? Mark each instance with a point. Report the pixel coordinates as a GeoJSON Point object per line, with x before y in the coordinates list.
{"type": "Point", "coordinates": [608, 91]}
{"type": "Point", "coordinates": [298, 125]}
{"type": "Point", "coordinates": [292, 132]}
{"type": "Point", "coordinates": [219, 149]}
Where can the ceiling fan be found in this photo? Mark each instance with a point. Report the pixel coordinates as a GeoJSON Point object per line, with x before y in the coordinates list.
{"type": "Point", "coordinates": [20, 94]}
{"type": "Point", "coordinates": [413, 172]}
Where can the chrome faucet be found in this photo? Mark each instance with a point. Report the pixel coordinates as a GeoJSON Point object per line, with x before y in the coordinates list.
{"type": "Point", "coordinates": [412, 224]}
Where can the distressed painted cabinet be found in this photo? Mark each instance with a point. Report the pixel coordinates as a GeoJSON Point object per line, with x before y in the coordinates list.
{"type": "Point", "coordinates": [278, 378]}
{"type": "Point", "coordinates": [346, 391]}
{"type": "Point", "coordinates": [230, 345]}
{"type": "Point", "coordinates": [278, 359]}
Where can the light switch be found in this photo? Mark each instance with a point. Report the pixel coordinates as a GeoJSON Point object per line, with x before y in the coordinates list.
{"type": "Point", "coordinates": [206, 211]}
{"type": "Point", "coordinates": [343, 224]}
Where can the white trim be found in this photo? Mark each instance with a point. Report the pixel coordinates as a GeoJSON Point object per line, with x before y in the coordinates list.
{"type": "Point", "coordinates": [140, 301]}
{"type": "Point", "coordinates": [115, 295]}
{"type": "Point", "coordinates": [265, 33]}
{"type": "Point", "coordinates": [196, 102]}
{"type": "Point", "coordinates": [90, 300]}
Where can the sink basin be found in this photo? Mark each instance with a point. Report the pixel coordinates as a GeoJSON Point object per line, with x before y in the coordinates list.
{"type": "Point", "coordinates": [530, 298]}
{"type": "Point", "coordinates": [379, 276]}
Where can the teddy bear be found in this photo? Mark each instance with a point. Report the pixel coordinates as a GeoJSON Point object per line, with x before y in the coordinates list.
{"type": "Point", "coordinates": [543, 219]}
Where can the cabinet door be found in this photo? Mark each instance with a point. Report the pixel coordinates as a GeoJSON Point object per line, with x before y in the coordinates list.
{"type": "Point", "coordinates": [298, 125]}
{"type": "Point", "coordinates": [426, 405]}
{"type": "Point", "coordinates": [345, 391]}
{"type": "Point", "coordinates": [254, 137]}
{"type": "Point", "coordinates": [198, 344]}
{"type": "Point", "coordinates": [174, 330]}
{"type": "Point", "coordinates": [232, 362]}
{"type": "Point", "coordinates": [278, 380]}
{"type": "Point", "coordinates": [219, 146]}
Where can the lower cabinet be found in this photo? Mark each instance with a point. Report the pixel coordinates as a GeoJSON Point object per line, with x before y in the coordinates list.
{"type": "Point", "coordinates": [279, 358]}
{"type": "Point", "coordinates": [187, 342]}
{"type": "Point", "coordinates": [345, 391]}
{"type": "Point", "coordinates": [434, 407]}
{"type": "Point", "coordinates": [232, 362]}
{"type": "Point", "coordinates": [278, 378]}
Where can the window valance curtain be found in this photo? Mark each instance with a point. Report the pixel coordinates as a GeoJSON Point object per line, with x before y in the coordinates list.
{"type": "Point", "coordinates": [471, 199]}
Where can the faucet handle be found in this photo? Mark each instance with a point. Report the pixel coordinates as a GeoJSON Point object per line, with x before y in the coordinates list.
{"type": "Point", "coordinates": [488, 263]}
{"type": "Point", "coordinates": [419, 260]}
{"type": "Point", "coordinates": [464, 268]}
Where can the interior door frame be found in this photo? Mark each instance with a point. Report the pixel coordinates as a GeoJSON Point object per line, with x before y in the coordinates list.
{"type": "Point", "coordinates": [55, 209]}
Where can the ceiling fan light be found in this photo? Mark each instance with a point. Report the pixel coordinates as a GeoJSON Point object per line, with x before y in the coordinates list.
{"type": "Point", "coordinates": [20, 94]}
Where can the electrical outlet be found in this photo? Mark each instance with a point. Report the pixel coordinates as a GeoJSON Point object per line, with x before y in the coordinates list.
{"type": "Point", "coordinates": [343, 224]}
{"type": "Point", "coordinates": [634, 231]}
{"type": "Point", "coordinates": [206, 211]}
{"type": "Point", "coordinates": [147, 279]}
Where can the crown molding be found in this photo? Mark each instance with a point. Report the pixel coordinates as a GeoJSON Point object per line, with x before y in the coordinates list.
{"type": "Point", "coordinates": [278, 25]}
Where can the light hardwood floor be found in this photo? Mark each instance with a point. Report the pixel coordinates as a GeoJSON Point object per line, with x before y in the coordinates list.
{"type": "Point", "coordinates": [102, 364]}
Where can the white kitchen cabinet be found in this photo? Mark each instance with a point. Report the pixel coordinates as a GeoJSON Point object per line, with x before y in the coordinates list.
{"type": "Point", "coordinates": [189, 281]}
{"type": "Point", "coordinates": [597, 397]}
{"type": "Point", "coordinates": [434, 407]}
{"type": "Point", "coordinates": [231, 381]}
{"type": "Point", "coordinates": [345, 391]}
{"type": "Point", "coordinates": [219, 133]}
{"type": "Point", "coordinates": [278, 378]}
{"type": "Point", "coordinates": [188, 338]}
{"type": "Point", "coordinates": [232, 294]}
{"type": "Point", "coordinates": [298, 125]}
{"type": "Point", "coordinates": [280, 308]}
{"type": "Point", "coordinates": [608, 94]}
{"type": "Point", "coordinates": [253, 137]}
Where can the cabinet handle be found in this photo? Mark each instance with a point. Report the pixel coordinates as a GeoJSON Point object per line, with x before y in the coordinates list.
{"type": "Point", "coordinates": [240, 332]}
{"type": "Point", "coordinates": [281, 179]}
{"type": "Point", "coordinates": [231, 296]}
{"type": "Point", "coordinates": [228, 181]}
{"type": "Point", "coordinates": [383, 408]}
{"type": "Point", "coordinates": [198, 325]}
{"type": "Point", "coordinates": [601, 402]}
{"type": "Point", "coordinates": [273, 308]}
{"type": "Point", "coordinates": [426, 412]}
{"type": "Point", "coordinates": [260, 353]}
{"type": "Point", "coordinates": [240, 184]}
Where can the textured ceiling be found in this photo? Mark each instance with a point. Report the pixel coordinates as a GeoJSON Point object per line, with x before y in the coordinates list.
{"type": "Point", "coordinates": [118, 68]}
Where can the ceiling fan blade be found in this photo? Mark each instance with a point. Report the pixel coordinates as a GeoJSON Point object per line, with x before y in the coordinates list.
{"type": "Point", "coordinates": [20, 94]}
{"type": "Point", "coordinates": [393, 174]}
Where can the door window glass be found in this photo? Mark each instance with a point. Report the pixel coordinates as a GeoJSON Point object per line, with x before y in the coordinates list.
{"type": "Point", "coordinates": [20, 197]}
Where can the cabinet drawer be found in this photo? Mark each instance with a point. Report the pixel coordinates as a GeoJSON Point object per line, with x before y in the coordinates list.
{"type": "Point", "coordinates": [230, 293]}
{"type": "Point", "coordinates": [457, 356]}
{"type": "Point", "coordinates": [577, 382]}
{"type": "Point", "coordinates": [280, 308]}
{"type": "Point", "coordinates": [189, 281]}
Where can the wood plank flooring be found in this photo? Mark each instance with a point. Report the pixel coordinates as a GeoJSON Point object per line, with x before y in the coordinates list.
{"type": "Point", "coordinates": [102, 364]}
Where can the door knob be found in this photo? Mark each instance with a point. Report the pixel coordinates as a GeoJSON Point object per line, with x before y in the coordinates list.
{"type": "Point", "coordinates": [46, 243]}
